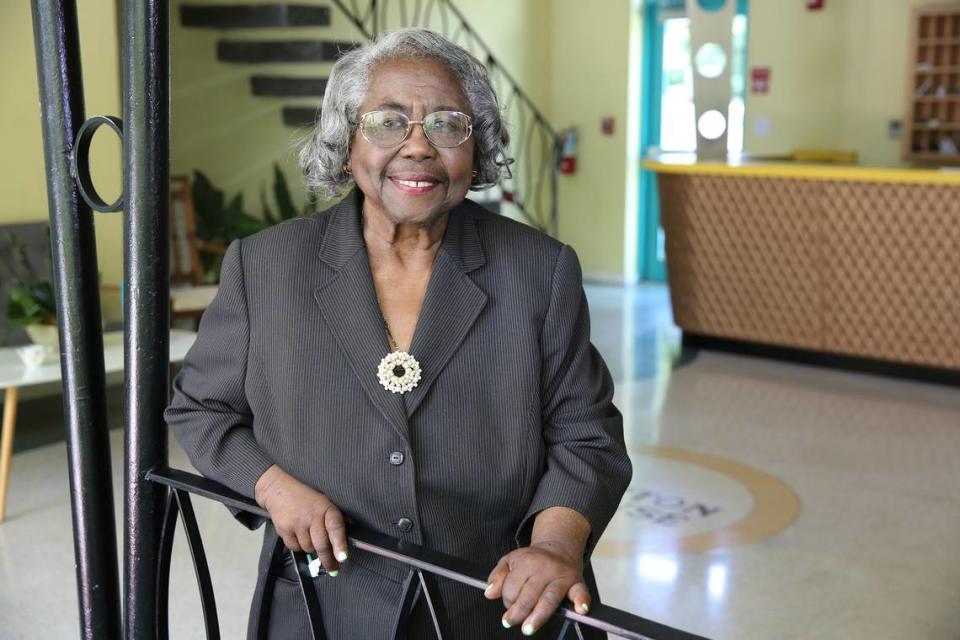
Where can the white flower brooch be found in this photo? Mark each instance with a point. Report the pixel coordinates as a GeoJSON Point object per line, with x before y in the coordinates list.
{"type": "Point", "coordinates": [399, 372]}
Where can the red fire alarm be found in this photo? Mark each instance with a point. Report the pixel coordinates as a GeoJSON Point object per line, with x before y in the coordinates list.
{"type": "Point", "coordinates": [568, 151]}
{"type": "Point", "coordinates": [814, 5]}
{"type": "Point", "coordinates": [760, 80]}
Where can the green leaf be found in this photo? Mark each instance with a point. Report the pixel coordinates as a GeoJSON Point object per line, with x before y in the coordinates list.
{"type": "Point", "coordinates": [281, 192]}
{"type": "Point", "coordinates": [310, 206]}
{"type": "Point", "coordinates": [211, 263]}
{"type": "Point", "coordinates": [244, 225]}
{"type": "Point", "coordinates": [234, 209]}
{"type": "Point", "coordinates": [23, 309]}
{"type": "Point", "coordinates": [43, 295]}
{"type": "Point", "coordinates": [208, 205]}
{"type": "Point", "coordinates": [267, 213]}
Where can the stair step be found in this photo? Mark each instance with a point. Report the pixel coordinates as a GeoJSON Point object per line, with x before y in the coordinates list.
{"type": "Point", "coordinates": [259, 51]}
{"type": "Point", "coordinates": [287, 86]}
{"type": "Point", "coordinates": [246, 16]}
{"type": "Point", "coordinates": [300, 116]}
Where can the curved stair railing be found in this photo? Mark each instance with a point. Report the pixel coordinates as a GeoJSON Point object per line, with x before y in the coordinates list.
{"type": "Point", "coordinates": [532, 186]}
{"type": "Point", "coordinates": [534, 144]}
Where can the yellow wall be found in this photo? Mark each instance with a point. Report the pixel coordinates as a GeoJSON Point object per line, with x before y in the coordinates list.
{"type": "Point", "coordinates": [589, 68]}
{"type": "Point", "coordinates": [23, 196]}
{"type": "Point", "coordinates": [805, 53]}
{"type": "Point", "coordinates": [838, 75]}
{"type": "Point", "coordinates": [519, 36]}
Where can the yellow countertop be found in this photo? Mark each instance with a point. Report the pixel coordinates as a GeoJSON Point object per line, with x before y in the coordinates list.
{"type": "Point", "coordinates": [686, 164]}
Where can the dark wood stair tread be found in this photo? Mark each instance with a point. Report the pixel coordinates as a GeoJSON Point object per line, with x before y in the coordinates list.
{"type": "Point", "coordinates": [287, 86]}
{"type": "Point", "coordinates": [260, 51]}
{"type": "Point", "coordinates": [252, 16]}
{"type": "Point", "coordinates": [300, 117]}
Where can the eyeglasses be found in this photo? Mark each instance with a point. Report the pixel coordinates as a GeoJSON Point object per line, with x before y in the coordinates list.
{"type": "Point", "coordinates": [388, 129]}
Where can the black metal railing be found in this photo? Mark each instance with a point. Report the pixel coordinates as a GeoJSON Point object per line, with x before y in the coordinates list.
{"type": "Point", "coordinates": [535, 147]}
{"type": "Point", "coordinates": [74, 256]}
{"type": "Point", "coordinates": [427, 564]}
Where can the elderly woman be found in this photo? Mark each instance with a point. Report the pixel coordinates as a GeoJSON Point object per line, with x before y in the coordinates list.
{"type": "Point", "coordinates": [411, 363]}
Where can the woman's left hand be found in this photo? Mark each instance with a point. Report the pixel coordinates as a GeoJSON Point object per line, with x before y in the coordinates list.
{"type": "Point", "coordinates": [534, 580]}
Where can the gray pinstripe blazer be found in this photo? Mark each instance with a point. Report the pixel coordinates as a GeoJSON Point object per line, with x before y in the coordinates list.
{"type": "Point", "coordinates": [513, 413]}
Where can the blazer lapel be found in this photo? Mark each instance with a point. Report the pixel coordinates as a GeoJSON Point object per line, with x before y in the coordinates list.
{"type": "Point", "coordinates": [452, 303]}
{"type": "Point", "coordinates": [348, 303]}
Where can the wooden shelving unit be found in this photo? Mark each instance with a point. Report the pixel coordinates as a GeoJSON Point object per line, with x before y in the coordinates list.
{"type": "Point", "coordinates": [931, 128]}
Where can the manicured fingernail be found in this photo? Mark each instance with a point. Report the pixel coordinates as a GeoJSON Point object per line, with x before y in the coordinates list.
{"type": "Point", "coordinates": [333, 573]}
{"type": "Point", "coordinates": [341, 556]}
{"type": "Point", "coordinates": [584, 607]}
{"type": "Point", "coordinates": [489, 587]}
{"type": "Point", "coordinates": [527, 629]}
{"type": "Point", "coordinates": [503, 621]}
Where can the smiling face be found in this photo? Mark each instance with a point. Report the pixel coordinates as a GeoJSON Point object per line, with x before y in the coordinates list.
{"type": "Point", "coordinates": [414, 182]}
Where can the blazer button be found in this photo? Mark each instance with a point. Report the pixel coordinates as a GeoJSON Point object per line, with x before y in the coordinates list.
{"type": "Point", "coordinates": [396, 458]}
{"type": "Point", "coordinates": [405, 524]}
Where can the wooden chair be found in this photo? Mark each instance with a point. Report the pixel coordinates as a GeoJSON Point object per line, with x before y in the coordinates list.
{"type": "Point", "coordinates": [189, 294]}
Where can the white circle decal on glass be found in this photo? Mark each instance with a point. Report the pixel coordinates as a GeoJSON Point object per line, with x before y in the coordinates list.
{"type": "Point", "coordinates": [712, 124]}
{"type": "Point", "coordinates": [710, 60]}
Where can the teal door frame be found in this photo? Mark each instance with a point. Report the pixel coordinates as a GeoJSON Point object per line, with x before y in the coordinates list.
{"type": "Point", "coordinates": [651, 267]}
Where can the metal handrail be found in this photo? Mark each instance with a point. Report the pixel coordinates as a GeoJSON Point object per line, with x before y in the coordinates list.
{"type": "Point", "coordinates": [427, 562]}
{"type": "Point", "coordinates": [535, 146]}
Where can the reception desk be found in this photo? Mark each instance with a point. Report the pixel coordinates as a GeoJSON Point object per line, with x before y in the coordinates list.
{"type": "Point", "coordinates": [862, 263]}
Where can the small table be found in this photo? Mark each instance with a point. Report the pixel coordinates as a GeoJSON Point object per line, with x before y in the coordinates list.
{"type": "Point", "coordinates": [14, 375]}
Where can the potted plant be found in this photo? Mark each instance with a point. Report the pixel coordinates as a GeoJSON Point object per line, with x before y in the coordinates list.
{"type": "Point", "coordinates": [221, 219]}
{"type": "Point", "coordinates": [31, 301]}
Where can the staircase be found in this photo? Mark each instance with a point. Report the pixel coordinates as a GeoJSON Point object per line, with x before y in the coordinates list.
{"type": "Point", "coordinates": [532, 189]}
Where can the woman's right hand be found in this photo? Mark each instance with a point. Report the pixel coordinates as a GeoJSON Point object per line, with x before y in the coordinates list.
{"type": "Point", "coordinates": [304, 518]}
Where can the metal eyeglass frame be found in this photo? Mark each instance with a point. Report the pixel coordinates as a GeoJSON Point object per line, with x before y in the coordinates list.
{"type": "Point", "coordinates": [410, 124]}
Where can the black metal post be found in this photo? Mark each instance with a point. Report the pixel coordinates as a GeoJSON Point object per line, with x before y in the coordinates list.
{"type": "Point", "coordinates": [78, 310]}
{"type": "Point", "coordinates": [147, 304]}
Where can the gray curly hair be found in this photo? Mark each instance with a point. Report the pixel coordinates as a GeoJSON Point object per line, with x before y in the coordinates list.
{"type": "Point", "coordinates": [325, 153]}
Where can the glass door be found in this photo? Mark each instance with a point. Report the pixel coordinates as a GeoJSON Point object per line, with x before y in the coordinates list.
{"type": "Point", "coordinates": [669, 118]}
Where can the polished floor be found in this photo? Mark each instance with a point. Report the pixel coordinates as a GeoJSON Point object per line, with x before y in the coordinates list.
{"type": "Point", "coordinates": [770, 501]}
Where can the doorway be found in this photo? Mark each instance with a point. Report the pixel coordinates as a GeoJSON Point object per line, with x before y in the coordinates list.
{"type": "Point", "coordinates": [668, 120]}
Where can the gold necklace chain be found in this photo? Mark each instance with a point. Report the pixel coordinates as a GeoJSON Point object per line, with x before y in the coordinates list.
{"type": "Point", "coordinates": [391, 342]}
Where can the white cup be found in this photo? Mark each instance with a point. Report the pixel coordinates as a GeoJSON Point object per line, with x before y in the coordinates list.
{"type": "Point", "coordinates": [34, 355]}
